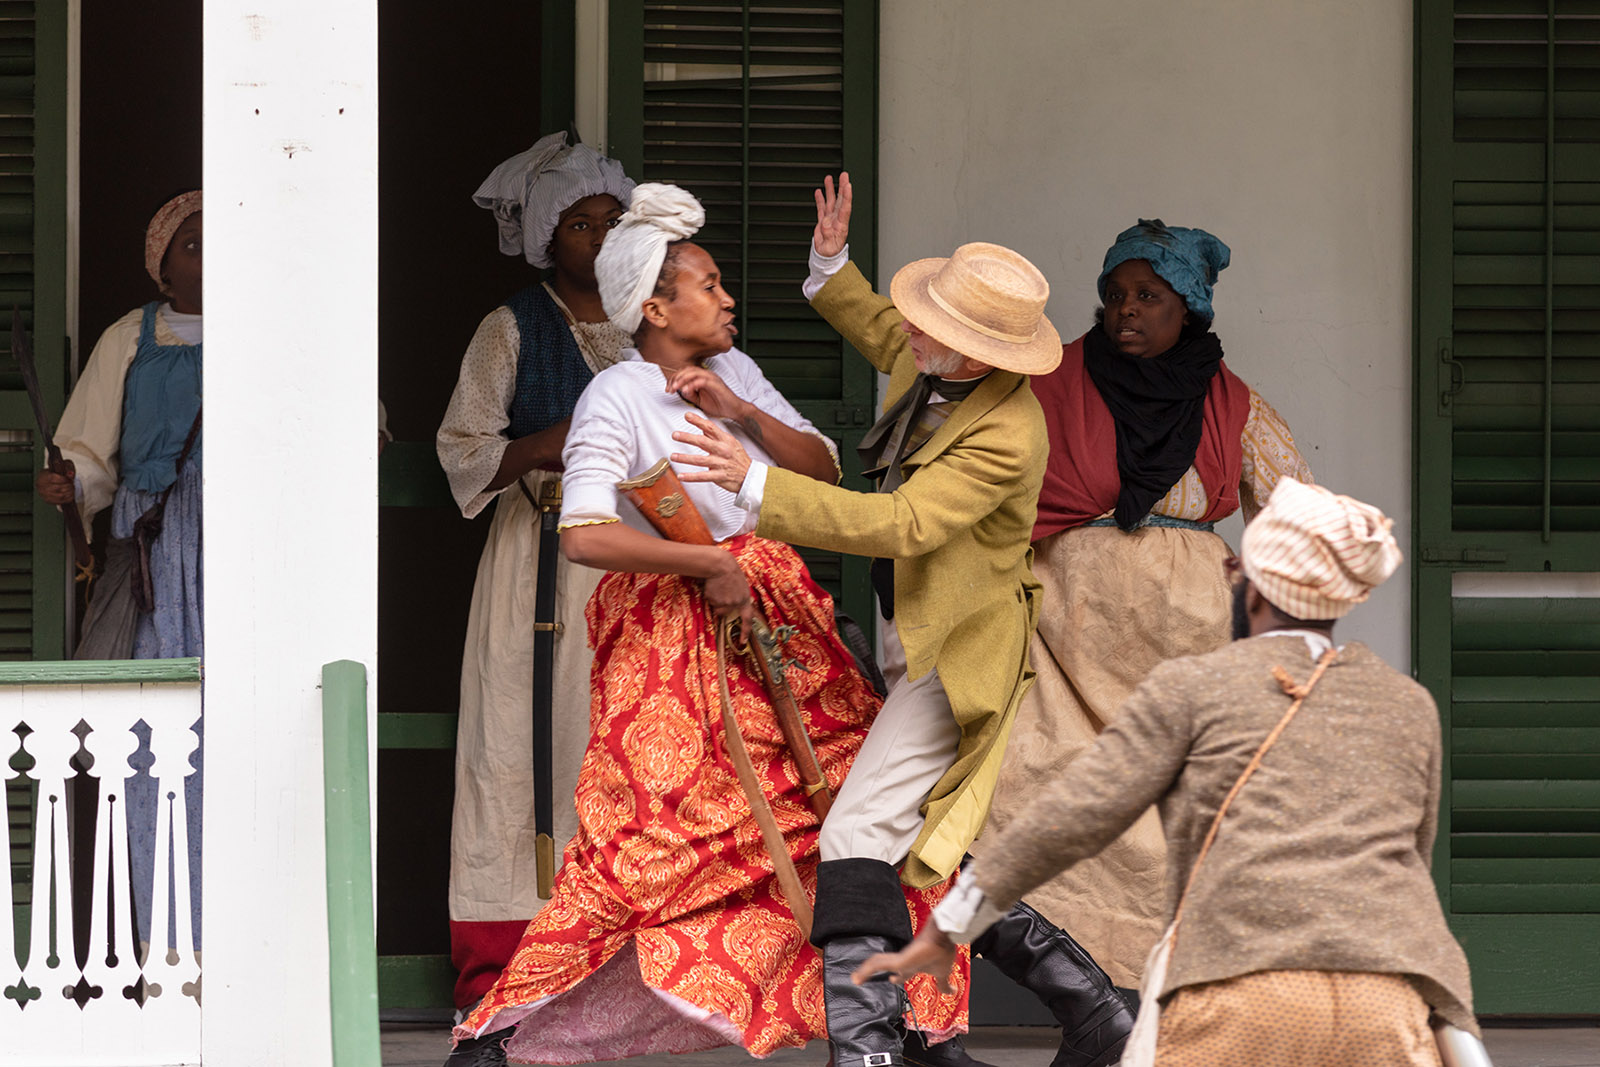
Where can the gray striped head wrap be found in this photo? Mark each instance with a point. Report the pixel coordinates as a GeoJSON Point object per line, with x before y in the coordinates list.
{"type": "Point", "coordinates": [529, 191]}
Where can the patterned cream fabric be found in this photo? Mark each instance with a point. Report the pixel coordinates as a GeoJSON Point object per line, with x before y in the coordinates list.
{"type": "Point", "coordinates": [1298, 1019]}
{"type": "Point", "coordinates": [472, 437]}
{"type": "Point", "coordinates": [1269, 455]}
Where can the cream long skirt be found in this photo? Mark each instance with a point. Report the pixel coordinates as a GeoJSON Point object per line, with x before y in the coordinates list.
{"type": "Point", "coordinates": [492, 863]}
{"type": "Point", "coordinates": [1115, 605]}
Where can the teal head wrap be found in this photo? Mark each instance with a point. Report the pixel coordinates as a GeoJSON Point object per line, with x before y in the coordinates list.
{"type": "Point", "coordinates": [1188, 260]}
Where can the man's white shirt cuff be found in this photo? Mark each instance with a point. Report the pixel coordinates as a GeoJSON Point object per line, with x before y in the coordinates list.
{"type": "Point", "coordinates": [965, 912]}
{"type": "Point", "coordinates": [822, 268]}
{"type": "Point", "coordinates": [753, 488]}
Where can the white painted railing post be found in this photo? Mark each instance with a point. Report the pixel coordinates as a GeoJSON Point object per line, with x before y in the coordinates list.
{"type": "Point", "coordinates": [290, 174]}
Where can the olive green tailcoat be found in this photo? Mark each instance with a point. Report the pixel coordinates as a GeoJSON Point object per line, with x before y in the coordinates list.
{"type": "Point", "coordinates": [958, 529]}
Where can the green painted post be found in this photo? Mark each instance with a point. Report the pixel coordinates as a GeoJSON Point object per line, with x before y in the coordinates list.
{"type": "Point", "coordinates": [352, 930]}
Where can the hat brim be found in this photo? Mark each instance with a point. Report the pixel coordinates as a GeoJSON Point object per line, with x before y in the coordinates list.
{"type": "Point", "coordinates": [909, 290]}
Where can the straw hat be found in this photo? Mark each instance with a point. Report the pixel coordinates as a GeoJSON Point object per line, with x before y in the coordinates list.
{"type": "Point", "coordinates": [986, 302]}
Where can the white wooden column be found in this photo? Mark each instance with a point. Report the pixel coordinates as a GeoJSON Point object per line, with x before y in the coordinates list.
{"type": "Point", "coordinates": [291, 156]}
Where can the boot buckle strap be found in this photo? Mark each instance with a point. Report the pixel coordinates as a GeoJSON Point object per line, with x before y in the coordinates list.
{"type": "Point", "coordinates": [878, 1059]}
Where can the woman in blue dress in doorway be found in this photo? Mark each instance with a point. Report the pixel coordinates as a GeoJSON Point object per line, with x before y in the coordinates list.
{"type": "Point", "coordinates": [125, 427]}
{"type": "Point", "coordinates": [124, 434]}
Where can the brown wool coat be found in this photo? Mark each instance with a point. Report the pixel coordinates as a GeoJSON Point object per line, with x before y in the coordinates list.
{"type": "Point", "coordinates": [966, 600]}
{"type": "Point", "coordinates": [1322, 862]}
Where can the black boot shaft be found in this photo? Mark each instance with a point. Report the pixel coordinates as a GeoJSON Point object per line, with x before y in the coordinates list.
{"type": "Point", "coordinates": [1042, 958]}
{"type": "Point", "coordinates": [865, 1028]}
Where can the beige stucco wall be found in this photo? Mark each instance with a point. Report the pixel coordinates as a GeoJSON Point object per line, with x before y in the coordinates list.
{"type": "Point", "coordinates": [1284, 128]}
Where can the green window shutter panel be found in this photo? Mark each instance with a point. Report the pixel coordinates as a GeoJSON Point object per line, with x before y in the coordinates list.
{"type": "Point", "coordinates": [32, 280]}
{"type": "Point", "coordinates": [1525, 755]}
{"type": "Point", "coordinates": [1520, 376]}
{"type": "Point", "coordinates": [748, 105]}
{"type": "Point", "coordinates": [1508, 478]}
{"type": "Point", "coordinates": [33, 99]}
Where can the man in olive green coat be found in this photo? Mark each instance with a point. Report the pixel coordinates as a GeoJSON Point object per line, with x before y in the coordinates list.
{"type": "Point", "coordinates": [959, 458]}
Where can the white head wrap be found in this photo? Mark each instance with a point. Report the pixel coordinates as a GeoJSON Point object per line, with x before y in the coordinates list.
{"type": "Point", "coordinates": [1315, 554]}
{"type": "Point", "coordinates": [630, 261]}
{"type": "Point", "coordinates": [529, 191]}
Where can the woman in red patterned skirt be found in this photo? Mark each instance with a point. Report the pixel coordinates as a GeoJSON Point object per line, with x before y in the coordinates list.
{"type": "Point", "coordinates": [668, 931]}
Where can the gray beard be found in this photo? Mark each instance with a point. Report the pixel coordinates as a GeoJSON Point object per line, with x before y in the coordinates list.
{"type": "Point", "coordinates": [946, 363]}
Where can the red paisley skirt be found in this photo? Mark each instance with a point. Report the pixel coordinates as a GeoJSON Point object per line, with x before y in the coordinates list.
{"type": "Point", "coordinates": [667, 931]}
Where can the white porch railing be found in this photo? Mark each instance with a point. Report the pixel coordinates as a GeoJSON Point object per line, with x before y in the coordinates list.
{"type": "Point", "coordinates": [78, 742]}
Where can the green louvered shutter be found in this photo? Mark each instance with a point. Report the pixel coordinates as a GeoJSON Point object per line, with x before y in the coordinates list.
{"type": "Point", "coordinates": [33, 107]}
{"type": "Point", "coordinates": [748, 105]}
{"type": "Point", "coordinates": [32, 278]}
{"type": "Point", "coordinates": [1508, 475]}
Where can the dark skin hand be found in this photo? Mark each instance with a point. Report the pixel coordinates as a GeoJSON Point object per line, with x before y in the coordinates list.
{"type": "Point", "coordinates": [579, 233]}
{"type": "Point", "coordinates": [930, 952]}
{"type": "Point", "coordinates": [724, 458]}
{"type": "Point", "coordinates": [56, 488]}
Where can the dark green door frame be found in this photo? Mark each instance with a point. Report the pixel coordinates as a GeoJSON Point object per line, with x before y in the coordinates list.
{"type": "Point", "coordinates": [1507, 450]}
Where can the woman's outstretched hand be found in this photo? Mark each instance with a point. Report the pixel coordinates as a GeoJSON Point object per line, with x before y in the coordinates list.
{"type": "Point", "coordinates": [833, 216]}
{"type": "Point", "coordinates": [724, 458]}
{"type": "Point", "coordinates": [930, 952]}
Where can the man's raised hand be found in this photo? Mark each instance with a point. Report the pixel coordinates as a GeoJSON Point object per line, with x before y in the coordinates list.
{"type": "Point", "coordinates": [833, 216]}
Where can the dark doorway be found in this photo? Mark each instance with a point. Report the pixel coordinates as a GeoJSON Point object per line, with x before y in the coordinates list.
{"type": "Point", "coordinates": [457, 95]}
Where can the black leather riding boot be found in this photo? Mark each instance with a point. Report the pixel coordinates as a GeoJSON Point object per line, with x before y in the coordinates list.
{"type": "Point", "coordinates": [864, 1024]}
{"type": "Point", "coordinates": [952, 1053]}
{"type": "Point", "coordinates": [861, 910]}
{"type": "Point", "coordinates": [1040, 957]}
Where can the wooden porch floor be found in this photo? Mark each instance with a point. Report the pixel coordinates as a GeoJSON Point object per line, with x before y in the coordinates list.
{"type": "Point", "coordinates": [1022, 1046]}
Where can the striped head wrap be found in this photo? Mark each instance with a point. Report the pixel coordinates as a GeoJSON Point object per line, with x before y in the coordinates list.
{"type": "Point", "coordinates": [529, 191]}
{"type": "Point", "coordinates": [158, 235]}
{"type": "Point", "coordinates": [1315, 554]}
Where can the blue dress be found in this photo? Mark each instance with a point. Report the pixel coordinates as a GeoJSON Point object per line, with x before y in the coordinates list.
{"type": "Point", "coordinates": [161, 397]}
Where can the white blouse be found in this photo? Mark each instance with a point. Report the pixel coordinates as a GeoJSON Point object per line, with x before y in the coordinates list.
{"type": "Point", "coordinates": [624, 423]}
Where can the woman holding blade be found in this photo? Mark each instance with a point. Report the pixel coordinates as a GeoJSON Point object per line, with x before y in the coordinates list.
{"type": "Point", "coordinates": [130, 434]}
{"type": "Point", "coordinates": [668, 931]}
{"type": "Point", "coordinates": [131, 437]}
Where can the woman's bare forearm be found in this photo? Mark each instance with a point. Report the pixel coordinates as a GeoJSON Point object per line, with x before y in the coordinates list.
{"type": "Point", "coordinates": [614, 546]}
{"type": "Point", "coordinates": [537, 451]}
{"type": "Point", "coordinates": [796, 450]}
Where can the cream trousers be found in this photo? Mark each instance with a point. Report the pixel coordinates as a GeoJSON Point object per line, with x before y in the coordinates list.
{"type": "Point", "coordinates": [878, 811]}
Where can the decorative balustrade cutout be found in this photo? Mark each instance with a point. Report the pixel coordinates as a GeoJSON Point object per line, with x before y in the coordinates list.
{"type": "Point", "coordinates": [99, 953]}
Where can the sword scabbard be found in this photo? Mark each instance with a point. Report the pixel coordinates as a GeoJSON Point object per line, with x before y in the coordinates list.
{"type": "Point", "coordinates": [546, 628]}
{"type": "Point", "coordinates": [544, 855]}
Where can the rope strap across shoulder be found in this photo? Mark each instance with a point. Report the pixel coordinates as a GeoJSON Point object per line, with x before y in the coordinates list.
{"type": "Point", "coordinates": [1140, 1050]}
{"type": "Point", "coordinates": [1299, 692]}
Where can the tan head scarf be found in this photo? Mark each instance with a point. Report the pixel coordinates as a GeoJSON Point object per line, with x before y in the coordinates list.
{"type": "Point", "coordinates": [158, 235]}
{"type": "Point", "coordinates": [1314, 554]}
